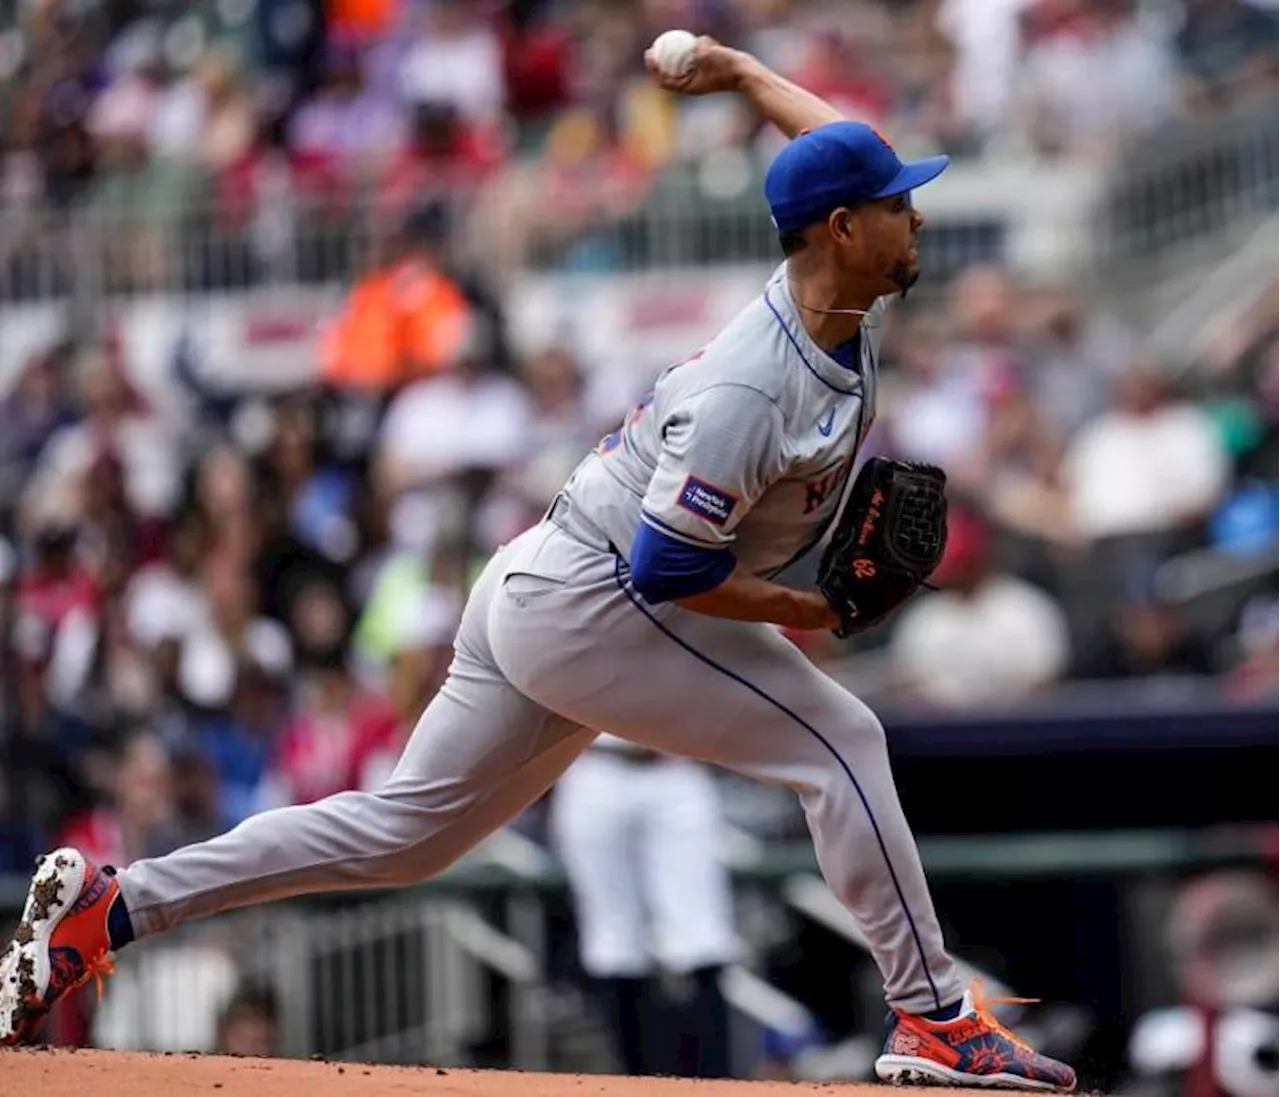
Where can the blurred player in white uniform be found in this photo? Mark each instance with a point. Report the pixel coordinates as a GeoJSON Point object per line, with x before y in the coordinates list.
{"type": "Point", "coordinates": [639, 834]}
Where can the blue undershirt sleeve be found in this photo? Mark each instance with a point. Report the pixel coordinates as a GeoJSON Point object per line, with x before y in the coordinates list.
{"type": "Point", "coordinates": [664, 568]}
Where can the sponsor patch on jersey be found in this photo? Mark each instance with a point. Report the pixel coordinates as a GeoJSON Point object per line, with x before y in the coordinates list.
{"type": "Point", "coordinates": [707, 501]}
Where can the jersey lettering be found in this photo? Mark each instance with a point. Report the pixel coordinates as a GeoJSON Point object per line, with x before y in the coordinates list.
{"type": "Point", "coordinates": [817, 492]}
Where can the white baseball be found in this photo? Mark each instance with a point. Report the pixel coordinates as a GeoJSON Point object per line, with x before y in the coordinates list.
{"type": "Point", "coordinates": [675, 51]}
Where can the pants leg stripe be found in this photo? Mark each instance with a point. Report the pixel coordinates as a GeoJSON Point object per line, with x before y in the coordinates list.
{"type": "Point", "coordinates": [634, 599]}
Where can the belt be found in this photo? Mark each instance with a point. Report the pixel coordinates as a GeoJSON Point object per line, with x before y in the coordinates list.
{"type": "Point", "coordinates": [562, 515]}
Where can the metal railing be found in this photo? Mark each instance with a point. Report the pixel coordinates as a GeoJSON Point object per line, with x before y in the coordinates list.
{"type": "Point", "coordinates": [1178, 187]}
{"type": "Point", "coordinates": [94, 254]}
{"type": "Point", "coordinates": [1191, 182]}
{"type": "Point", "coordinates": [388, 980]}
{"type": "Point", "coordinates": [161, 231]}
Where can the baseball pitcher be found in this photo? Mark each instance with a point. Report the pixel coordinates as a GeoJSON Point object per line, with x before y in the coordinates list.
{"type": "Point", "coordinates": [641, 605]}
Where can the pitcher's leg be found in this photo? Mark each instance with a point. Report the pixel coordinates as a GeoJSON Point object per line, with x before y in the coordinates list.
{"type": "Point", "coordinates": [471, 765]}
{"type": "Point", "coordinates": [744, 697]}
{"type": "Point", "coordinates": [789, 723]}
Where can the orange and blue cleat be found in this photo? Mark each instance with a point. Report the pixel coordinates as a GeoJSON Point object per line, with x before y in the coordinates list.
{"type": "Point", "coordinates": [973, 1049]}
{"type": "Point", "coordinates": [61, 942]}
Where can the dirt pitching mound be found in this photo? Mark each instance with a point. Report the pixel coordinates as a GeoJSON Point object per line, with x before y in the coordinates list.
{"type": "Point", "coordinates": [36, 1073]}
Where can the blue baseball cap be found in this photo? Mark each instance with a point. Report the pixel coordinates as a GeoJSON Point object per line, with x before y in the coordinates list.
{"type": "Point", "coordinates": [839, 164]}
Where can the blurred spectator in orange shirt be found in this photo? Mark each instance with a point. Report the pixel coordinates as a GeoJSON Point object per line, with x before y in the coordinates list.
{"type": "Point", "coordinates": [404, 321]}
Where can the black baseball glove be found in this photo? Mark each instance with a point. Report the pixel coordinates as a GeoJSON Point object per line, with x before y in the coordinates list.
{"type": "Point", "coordinates": [888, 540]}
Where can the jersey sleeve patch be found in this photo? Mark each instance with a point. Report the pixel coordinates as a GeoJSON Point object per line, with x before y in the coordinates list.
{"type": "Point", "coordinates": [707, 501]}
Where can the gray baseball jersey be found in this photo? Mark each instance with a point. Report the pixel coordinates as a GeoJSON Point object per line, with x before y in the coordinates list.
{"type": "Point", "coordinates": [749, 443]}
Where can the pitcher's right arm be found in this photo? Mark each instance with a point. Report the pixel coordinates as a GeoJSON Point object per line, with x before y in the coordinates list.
{"type": "Point", "coordinates": [720, 68]}
{"type": "Point", "coordinates": [746, 597]}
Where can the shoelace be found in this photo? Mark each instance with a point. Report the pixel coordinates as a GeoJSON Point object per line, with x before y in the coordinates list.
{"type": "Point", "coordinates": [983, 1005]}
{"type": "Point", "coordinates": [95, 970]}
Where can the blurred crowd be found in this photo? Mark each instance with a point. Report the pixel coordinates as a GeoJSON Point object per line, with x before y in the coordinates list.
{"type": "Point", "coordinates": [214, 602]}
{"type": "Point", "coordinates": [536, 114]}
{"type": "Point", "coordinates": [1100, 503]}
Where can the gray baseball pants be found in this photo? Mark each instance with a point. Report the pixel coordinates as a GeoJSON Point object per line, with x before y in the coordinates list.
{"type": "Point", "coordinates": [553, 645]}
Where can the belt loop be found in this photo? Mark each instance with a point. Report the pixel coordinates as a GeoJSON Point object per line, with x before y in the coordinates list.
{"type": "Point", "coordinates": [551, 510]}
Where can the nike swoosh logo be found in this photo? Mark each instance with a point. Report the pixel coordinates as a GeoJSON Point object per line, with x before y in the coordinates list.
{"type": "Point", "coordinates": [826, 428]}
